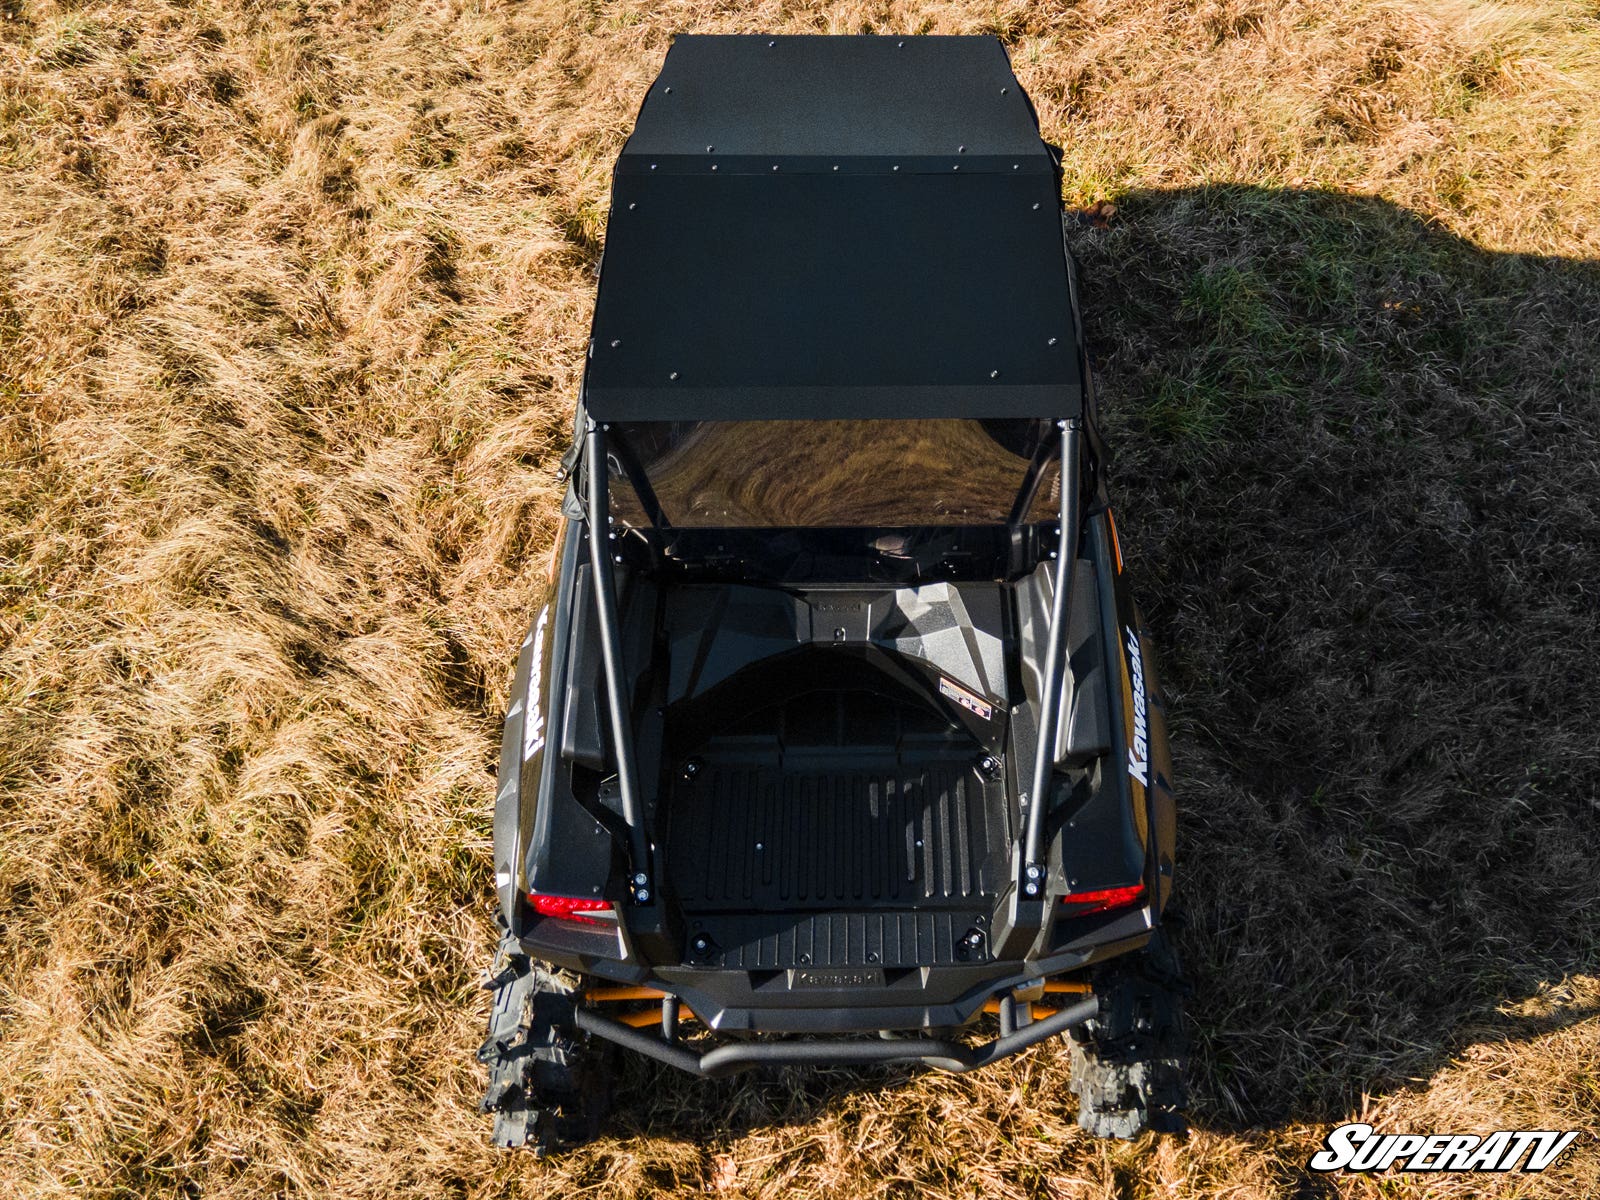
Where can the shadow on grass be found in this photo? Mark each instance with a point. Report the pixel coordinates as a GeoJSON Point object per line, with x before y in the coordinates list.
{"type": "Point", "coordinates": [1358, 460]}
{"type": "Point", "coordinates": [1357, 468]}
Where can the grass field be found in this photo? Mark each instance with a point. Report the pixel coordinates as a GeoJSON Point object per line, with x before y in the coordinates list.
{"type": "Point", "coordinates": [293, 305]}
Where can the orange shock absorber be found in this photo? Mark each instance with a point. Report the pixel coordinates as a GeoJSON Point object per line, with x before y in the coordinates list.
{"type": "Point", "coordinates": [1076, 987]}
{"type": "Point", "coordinates": [603, 994]}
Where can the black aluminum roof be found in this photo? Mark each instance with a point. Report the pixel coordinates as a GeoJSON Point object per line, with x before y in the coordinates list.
{"type": "Point", "coordinates": [810, 227]}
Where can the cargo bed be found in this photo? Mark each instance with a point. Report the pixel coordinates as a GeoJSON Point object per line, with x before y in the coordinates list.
{"type": "Point", "coordinates": [854, 852]}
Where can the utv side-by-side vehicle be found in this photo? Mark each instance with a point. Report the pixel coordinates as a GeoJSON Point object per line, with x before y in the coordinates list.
{"type": "Point", "coordinates": [837, 739]}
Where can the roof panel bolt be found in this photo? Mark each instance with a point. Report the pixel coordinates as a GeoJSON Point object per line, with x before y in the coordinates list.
{"type": "Point", "coordinates": [642, 895]}
{"type": "Point", "coordinates": [669, 91]}
{"type": "Point", "coordinates": [652, 166]}
{"type": "Point", "coordinates": [1051, 342]}
{"type": "Point", "coordinates": [896, 167]}
{"type": "Point", "coordinates": [1014, 166]}
{"type": "Point", "coordinates": [835, 166]}
{"type": "Point", "coordinates": [961, 149]}
{"type": "Point", "coordinates": [1035, 871]}
{"type": "Point", "coordinates": [956, 167]}
{"type": "Point", "coordinates": [899, 45]}
{"type": "Point", "coordinates": [632, 206]}
{"type": "Point", "coordinates": [1032, 889]}
{"type": "Point", "coordinates": [1035, 206]}
{"type": "Point", "coordinates": [713, 166]}
{"type": "Point", "coordinates": [774, 166]}
{"type": "Point", "coordinates": [640, 879]}
{"type": "Point", "coordinates": [770, 45]}
{"type": "Point", "coordinates": [615, 342]}
{"type": "Point", "coordinates": [994, 374]}
{"type": "Point", "coordinates": [1003, 91]}
{"type": "Point", "coordinates": [674, 375]}
{"type": "Point", "coordinates": [710, 149]}
{"type": "Point", "coordinates": [760, 846]}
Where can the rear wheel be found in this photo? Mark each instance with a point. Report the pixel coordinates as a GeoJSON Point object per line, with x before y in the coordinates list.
{"type": "Point", "coordinates": [1128, 1062]}
{"type": "Point", "coordinates": [549, 1085]}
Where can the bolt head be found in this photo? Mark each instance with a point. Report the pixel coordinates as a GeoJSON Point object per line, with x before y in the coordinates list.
{"type": "Point", "coordinates": [642, 895]}
{"type": "Point", "coordinates": [1032, 889]}
{"type": "Point", "coordinates": [1035, 871]}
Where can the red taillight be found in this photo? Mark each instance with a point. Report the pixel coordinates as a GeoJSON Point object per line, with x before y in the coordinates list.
{"type": "Point", "coordinates": [1104, 900]}
{"type": "Point", "coordinates": [576, 908]}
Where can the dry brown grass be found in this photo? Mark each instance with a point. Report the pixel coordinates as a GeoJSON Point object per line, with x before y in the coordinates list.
{"type": "Point", "coordinates": [292, 307]}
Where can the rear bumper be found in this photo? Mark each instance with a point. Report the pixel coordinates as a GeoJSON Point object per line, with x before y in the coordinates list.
{"type": "Point", "coordinates": [940, 1053]}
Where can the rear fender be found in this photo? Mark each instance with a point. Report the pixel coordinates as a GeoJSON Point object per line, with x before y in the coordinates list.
{"type": "Point", "coordinates": [1143, 758]}
{"type": "Point", "coordinates": [535, 806]}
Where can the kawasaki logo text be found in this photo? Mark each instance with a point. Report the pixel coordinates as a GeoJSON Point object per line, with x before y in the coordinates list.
{"type": "Point", "coordinates": [1139, 751]}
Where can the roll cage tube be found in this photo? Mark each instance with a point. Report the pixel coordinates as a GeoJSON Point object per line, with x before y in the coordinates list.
{"type": "Point", "coordinates": [1034, 871]}
{"type": "Point", "coordinates": [640, 885]}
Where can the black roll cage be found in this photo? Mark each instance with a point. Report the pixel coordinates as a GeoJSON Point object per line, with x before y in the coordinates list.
{"type": "Point", "coordinates": [1028, 913]}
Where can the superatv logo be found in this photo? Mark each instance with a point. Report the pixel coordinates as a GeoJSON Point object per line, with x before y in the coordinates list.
{"type": "Point", "coordinates": [1139, 751]}
{"type": "Point", "coordinates": [533, 723]}
{"type": "Point", "coordinates": [1356, 1147]}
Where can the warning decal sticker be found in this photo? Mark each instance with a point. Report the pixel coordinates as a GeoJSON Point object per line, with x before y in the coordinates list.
{"type": "Point", "coordinates": [970, 701]}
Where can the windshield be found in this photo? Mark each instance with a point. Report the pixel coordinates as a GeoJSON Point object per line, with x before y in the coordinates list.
{"type": "Point", "coordinates": [832, 474]}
